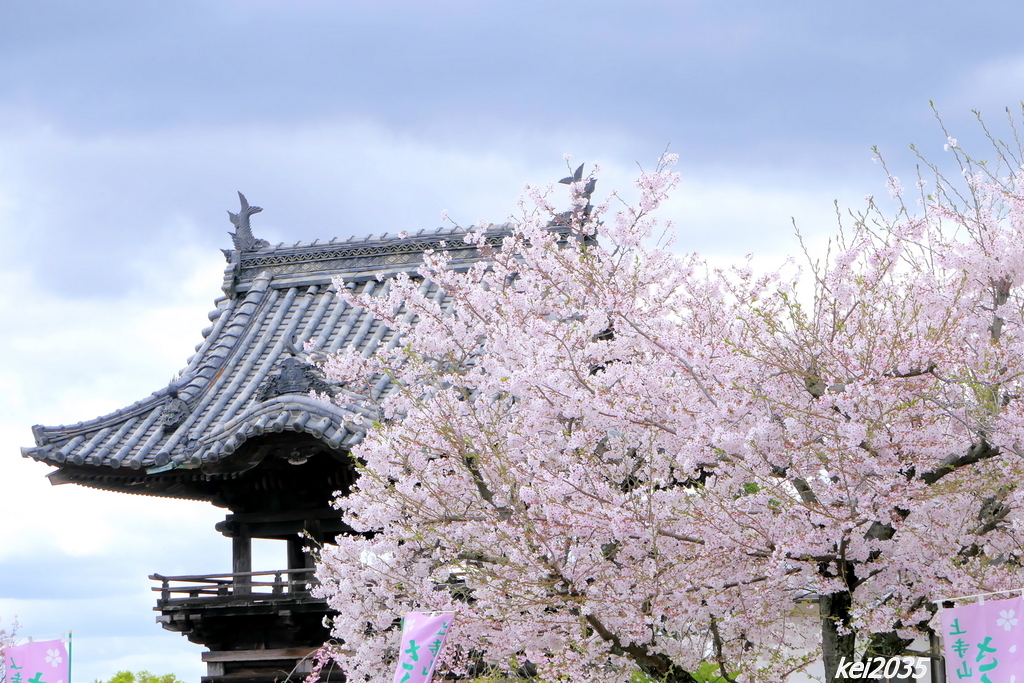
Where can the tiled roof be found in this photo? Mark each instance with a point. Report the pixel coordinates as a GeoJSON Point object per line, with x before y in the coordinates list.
{"type": "Point", "coordinates": [277, 298]}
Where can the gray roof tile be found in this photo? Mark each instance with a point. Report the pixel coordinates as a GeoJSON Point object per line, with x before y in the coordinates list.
{"type": "Point", "coordinates": [275, 296]}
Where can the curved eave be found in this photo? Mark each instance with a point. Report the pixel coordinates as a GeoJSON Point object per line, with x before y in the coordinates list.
{"type": "Point", "coordinates": [337, 427]}
{"type": "Point", "coordinates": [129, 436]}
{"type": "Point", "coordinates": [221, 393]}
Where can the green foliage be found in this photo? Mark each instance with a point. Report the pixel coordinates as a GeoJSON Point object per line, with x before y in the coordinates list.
{"type": "Point", "coordinates": [141, 677]}
{"type": "Point", "coordinates": [707, 673]}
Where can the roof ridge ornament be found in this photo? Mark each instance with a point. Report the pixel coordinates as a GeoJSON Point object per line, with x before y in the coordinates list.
{"type": "Point", "coordinates": [243, 240]}
{"type": "Point", "coordinates": [580, 191]}
{"type": "Point", "coordinates": [242, 236]}
{"type": "Point", "coordinates": [174, 411]}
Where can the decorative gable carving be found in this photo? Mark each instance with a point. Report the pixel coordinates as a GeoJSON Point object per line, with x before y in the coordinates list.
{"type": "Point", "coordinates": [294, 377]}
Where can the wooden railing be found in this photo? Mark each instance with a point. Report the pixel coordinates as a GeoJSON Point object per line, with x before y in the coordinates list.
{"type": "Point", "coordinates": [269, 586]}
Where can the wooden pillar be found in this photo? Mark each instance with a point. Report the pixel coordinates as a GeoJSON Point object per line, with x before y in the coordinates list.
{"type": "Point", "coordinates": [241, 558]}
{"type": "Point", "coordinates": [297, 559]}
{"type": "Point", "coordinates": [296, 552]}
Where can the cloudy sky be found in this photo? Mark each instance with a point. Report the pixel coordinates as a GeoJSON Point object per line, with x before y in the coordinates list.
{"type": "Point", "coordinates": [126, 126]}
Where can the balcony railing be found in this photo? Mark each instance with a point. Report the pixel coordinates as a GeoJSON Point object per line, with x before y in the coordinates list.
{"type": "Point", "coordinates": [282, 585]}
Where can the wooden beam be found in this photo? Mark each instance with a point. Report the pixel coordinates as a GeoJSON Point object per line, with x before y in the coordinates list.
{"type": "Point", "coordinates": [282, 530]}
{"type": "Point", "coordinates": [287, 516]}
{"type": "Point", "coordinates": [258, 655]}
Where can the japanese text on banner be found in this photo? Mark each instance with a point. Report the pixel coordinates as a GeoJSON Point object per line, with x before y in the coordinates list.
{"type": "Point", "coordinates": [423, 636]}
{"type": "Point", "coordinates": [984, 641]}
{"type": "Point", "coordinates": [42, 661]}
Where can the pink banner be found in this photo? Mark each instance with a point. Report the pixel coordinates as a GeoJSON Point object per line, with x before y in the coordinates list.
{"type": "Point", "coordinates": [42, 661]}
{"type": "Point", "coordinates": [423, 637]}
{"type": "Point", "coordinates": [984, 641]}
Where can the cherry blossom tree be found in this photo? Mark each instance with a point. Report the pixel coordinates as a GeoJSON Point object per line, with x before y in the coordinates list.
{"type": "Point", "coordinates": [610, 459]}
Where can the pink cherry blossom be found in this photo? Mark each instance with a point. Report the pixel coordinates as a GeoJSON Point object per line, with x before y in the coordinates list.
{"type": "Point", "coordinates": [608, 458]}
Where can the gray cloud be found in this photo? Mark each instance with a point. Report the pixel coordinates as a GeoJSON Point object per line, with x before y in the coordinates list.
{"type": "Point", "coordinates": [126, 126]}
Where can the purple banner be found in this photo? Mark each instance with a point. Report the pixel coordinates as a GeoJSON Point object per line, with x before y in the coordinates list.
{"type": "Point", "coordinates": [423, 637]}
{"type": "Point", "coordinates": [41, 661]}
{"type": "Point", "coordinates": [984, 641]}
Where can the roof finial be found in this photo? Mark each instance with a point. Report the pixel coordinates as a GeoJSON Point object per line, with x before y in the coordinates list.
{"type": "Point", "coordinates": [242, 236]}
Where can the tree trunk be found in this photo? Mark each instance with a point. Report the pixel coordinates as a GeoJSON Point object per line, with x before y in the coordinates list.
{"type": "Point", "coordinates": [835, 613]}
{"type": "Point", "coordinates": [887, 645]}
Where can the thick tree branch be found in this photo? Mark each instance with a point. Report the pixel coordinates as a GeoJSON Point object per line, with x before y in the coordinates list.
{"type": "Point", "coordinates": [650, 663]}
{"type": "Point", "coordinates": [485, 492]}
{"type": "Point", "coordinates": [716, 639]}
{"type": "Point", "coordinates": [980, 450]}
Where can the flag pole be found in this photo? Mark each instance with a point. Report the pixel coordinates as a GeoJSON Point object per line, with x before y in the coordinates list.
{"type": "Point", "coordinates": [69, 656]}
